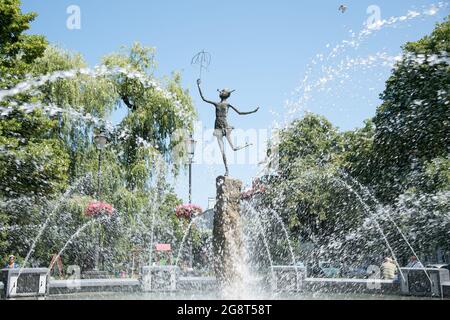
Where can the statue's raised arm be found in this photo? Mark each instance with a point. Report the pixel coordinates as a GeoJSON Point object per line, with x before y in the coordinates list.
{"type": "Point", "coordinates": [201, 93]}
{"type": "Point", "coordinates": [243, 113]}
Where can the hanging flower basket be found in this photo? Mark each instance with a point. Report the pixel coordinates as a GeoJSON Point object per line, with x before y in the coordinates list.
{"type": "Point", "coordinates": [98, 208]}
{"type": "Point", "coordinates": [188, 211]}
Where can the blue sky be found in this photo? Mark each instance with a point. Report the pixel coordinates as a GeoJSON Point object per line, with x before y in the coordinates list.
{"type": "Point", "coordinates": [261, 48]}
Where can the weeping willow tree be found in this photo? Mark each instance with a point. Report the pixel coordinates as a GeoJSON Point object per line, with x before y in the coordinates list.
{"type": "Point", "coordinates": [147, 144]}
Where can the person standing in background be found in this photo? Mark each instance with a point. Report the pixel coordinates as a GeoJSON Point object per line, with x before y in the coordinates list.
{"type": "Point", "coordinates": [12, 263]}
{"type": "Point", "coordinates": [388, 269]}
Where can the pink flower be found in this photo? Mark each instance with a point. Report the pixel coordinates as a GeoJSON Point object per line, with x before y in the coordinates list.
{"type": "Point", "coordinates": [188, 211]}
{"type": "Point", "coordinates": [97, 208]}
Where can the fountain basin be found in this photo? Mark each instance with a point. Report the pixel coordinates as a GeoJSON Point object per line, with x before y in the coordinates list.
{"type": "Point", "coordinates": [288, 278]}
{"type": "Point", "coordinates": [184, 284]}
{"type": "Point", "coordinates": [372, 287]}
{"type": "Point", "coordinates": [197, 284]}
{"type": "Point", "coordinates": [446, 288]}
{"type": "Point", "coordinates": [352, 286]}
{"type": "Point", "coordinates": [19, 283]}
{"type": "Point", "coordinates": [206, 288]}
{"type": "Point", "coordinates": [93, 285]}
{"type": "Point", "coordinates": [425, 282]}
{"type": "Point", "coordinates": [161, 278]}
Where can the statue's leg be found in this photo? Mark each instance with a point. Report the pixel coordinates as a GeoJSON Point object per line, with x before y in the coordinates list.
{"type": "Point", "coordinates": [222, 149]}
{"type": "Point", "coordinates": [231, 142]}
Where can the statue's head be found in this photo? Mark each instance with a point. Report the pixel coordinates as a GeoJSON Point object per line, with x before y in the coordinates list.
{"type": "Point", "coordinates": [225, 93]}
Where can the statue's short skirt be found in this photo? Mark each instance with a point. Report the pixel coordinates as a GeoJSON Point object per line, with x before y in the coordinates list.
{"type": "Point", "coordinates": [219, 133]}
{"type": "Point", "coordinates": [221, 129]}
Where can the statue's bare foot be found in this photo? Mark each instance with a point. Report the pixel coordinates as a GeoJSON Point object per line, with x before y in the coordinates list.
{"type": "Point", "coordinates": [246, 146]}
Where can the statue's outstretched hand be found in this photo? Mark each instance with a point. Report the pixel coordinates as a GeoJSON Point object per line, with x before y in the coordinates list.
{"type": "Point", "coordinates": [199, 81]}
{"type": "Point", "coordinates": [257, 109]}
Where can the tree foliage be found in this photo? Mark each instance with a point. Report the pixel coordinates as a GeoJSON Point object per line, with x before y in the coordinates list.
{"type": "Point", "coordinates": [347, 191]}
{"type": "Point", "coordinates": [49, 162]}
{"type": "Point", "coordinates": [18, 50]}
{"type": "Point", "coordinates": [412, 125]}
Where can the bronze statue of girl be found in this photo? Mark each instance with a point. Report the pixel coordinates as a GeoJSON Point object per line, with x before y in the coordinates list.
{"type": "Point", "coordinates": [221, 127]}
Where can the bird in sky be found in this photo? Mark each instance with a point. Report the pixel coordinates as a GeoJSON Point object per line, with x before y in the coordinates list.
{"type": "Point", "coordinates": [343, 8]}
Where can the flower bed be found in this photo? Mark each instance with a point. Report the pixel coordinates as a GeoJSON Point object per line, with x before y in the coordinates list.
{"type": "Point", "coordinates": [188, 211]}
{"type": "Point", "coordinates": [98, 208]}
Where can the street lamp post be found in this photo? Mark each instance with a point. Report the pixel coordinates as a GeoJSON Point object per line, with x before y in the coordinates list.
{"type": "Point", "coordinates": [190, 146]}
{"type": "Point", "coordinates": [100, 140]}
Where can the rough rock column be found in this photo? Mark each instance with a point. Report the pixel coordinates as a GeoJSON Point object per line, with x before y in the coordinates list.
{"type": "Point", "coordinates": [227, 233]}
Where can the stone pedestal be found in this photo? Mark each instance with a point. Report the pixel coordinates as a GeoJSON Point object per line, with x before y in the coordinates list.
{"type": "Point", "coordinates": [163, 278]}
{"type": "Point", "coordinates": [424, 282]}
{"type": "Point", "coordinates": [288, 278]}
{"type": "Point", "coordinates": [227, 233]}
{"type": "Point", "coordinates": [18, 283]}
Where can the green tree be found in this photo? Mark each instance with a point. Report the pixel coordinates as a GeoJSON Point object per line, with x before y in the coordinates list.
{"type": "Point", "coordinates": [161, 118]}
{"type": "Point", "coordinates": [49, 149]}
{"type": "Point", "coordinates": [18, 50]}
{"type": "Point", "coordinates": [309, 196]}
{"type": "Point", "coordinates": [32, 162]}
{"type": "Point", "coordinates": [358, 153]}
{"type": "Point", "coordinates": [312, 138]}
{"type": "Point", "coordinates": [412, 123]}
{"type": "Point", "coordinates": [328, 179]}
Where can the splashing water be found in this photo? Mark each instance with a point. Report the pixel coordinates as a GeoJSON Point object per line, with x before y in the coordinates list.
{"type": "Point", "coordinates": [356, 40]}
{"type": "Point", "coordinates": [387, 214]}
{"type": "Point", "coordinates": [186, 233]}
{"type": "Point", "coordinates": [255, 213]}
{"type": "Point", "coordinates": [303, 93]}
{"type": "Point", "coordinates": [98, 71]}
{"type": "Point", "coordinates": [77, 234]}
{"type": "Point", "coordinates": [50, 216]}
{"type": "Point", "coordinates": [374, 221]}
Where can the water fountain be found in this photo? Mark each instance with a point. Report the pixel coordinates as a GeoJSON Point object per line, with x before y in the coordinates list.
{"type": "Point", "coordinates": [237, 222]}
